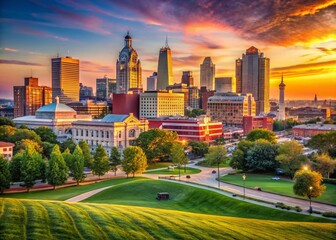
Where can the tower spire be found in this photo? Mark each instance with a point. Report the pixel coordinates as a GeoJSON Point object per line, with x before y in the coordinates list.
{"type": "Point", "coordinates": [282, 77]}
{"type": "Point", "coordinates": [167, 46]}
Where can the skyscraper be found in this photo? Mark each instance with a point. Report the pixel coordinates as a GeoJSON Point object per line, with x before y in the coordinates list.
{"type": "Point", "coordinates": [208, 74]}
{"type": "Point", "coordinates": [65, 79]}
{"type": "Point", "coordinates": [105, 87]}
{"type": "Point", "coordinates": [282, 100]}
{"type": "Point", "coordinates": [255, 76]}
{"type": "Point", "coordinates": [129, 72]}
{"type": "Point", "coordinates": [152, 82]}
{"type": "Point", "coordinates": [224, 84]}
{"type": "Point", "coordinates": [239, 76]}
{"type": "Point", "coordinates": [165, 68]}
{"type": "Point", "coordinates": [30, 97]}
{"type": "Point", "coordinates": [187, 78]}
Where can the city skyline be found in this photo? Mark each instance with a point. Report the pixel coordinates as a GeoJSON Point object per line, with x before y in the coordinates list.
{"type": "Point", "coordinates": [93, 33]}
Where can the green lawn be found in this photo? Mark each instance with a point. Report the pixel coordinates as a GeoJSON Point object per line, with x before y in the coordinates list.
{"type": "Point", "coordinates": [282, 186]}
{"type": "Point", "coordinates": [26, 219]}
{"type": "Point", "coordinates": [158, 165]}
{"type": "Point", "coordinates": [206, 164]}
{"type": "Point", "coordinates": [175, 171]}
{"type": "Point", "coordinates": [67, 192]}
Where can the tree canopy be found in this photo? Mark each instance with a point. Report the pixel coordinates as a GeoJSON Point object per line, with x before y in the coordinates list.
{"type": "Point", "coordinates": [57, 171]}
{"type": "Point", "coordinates": [30, 167]}
{"type": "Point", "coordinates": [77, 166]}
{"type": "Point", "coordinates": [46, 134]}
{"type": "Point", "coordinates": [100, 164]}
{"type": "Point", "coordinates": [6, 121]}
{"type": "Point", "coordinates": [199, 148]}
{"type": "Point", "coordinates": [308, 184]}
{"type": "Point", "coordinates": [261, 156]}
{"type": "Point", "coordinates": [238, 159]}
{"type": "Point", "coordinates": [69, 143]}
{"type": "Point", "coordinates": [134, 160]}
{"type": "Point", "coordinates": [324, 164]}
{"type": "Point", "coordinates": [324, 142]}
{"type": "Point", "coordinates": [256, 134]}
{"type": "Point", "coordinates": [115, 160]}
{"type": "Point", "coordinates": [88, 159]}
{"type": "Point", "coordinates": [4, 174]}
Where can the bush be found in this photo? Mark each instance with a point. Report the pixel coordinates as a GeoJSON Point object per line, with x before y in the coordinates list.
{"type": "Point", "coordinates": [284, 206]}
{"type": "Point", "coordinates": [329, 214]}
{"type": "Point", "coordinates": [297, 208]}
{"type": "Point", "coordinates": [329, 180]}
{"type": "Point", "coordinates": [280, 205]}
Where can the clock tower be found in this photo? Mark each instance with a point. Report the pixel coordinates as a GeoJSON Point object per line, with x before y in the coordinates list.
{"type": "Point", "coordinates": [128, 68]}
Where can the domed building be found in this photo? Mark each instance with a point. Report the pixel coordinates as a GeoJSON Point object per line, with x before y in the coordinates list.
{"type": "Point", "coordinates": [57, 116]}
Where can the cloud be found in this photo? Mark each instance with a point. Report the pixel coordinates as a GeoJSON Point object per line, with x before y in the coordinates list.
{"type": "Point", "coordinates": [16, 62]}
{"type": "Point", "coordinates": [87, 66]}
{"type": "Point", "coordinates": [328, 51]}
{"type": "Point", "coordinates": [9, 49]}
{"type": "Point", "coordinates": [41, 33]}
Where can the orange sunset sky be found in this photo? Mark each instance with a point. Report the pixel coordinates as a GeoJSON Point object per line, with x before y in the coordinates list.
{"type": "Point", "coordinates": [298, 36]}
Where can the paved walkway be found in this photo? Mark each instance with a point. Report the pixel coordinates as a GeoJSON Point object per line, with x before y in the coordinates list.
{"type": "Point", "coordinates": [86, 195]}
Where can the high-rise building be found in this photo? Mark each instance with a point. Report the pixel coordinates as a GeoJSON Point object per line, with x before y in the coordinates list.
{"type": "Point", "coordinates": [207, 74]}
{"type": "Point", "coordinates": [239, 76]}
{"type": "Point", "coordinates": [255, 76]}
{"type": "Point", "coordinates": [152, 82]}
{"type": "Point", "coordinates": [187, 78]}
{"type": "Point", "coordinates": [105, 87]}
{"type": "Point", "coordinates": [282, 100]}
{"type": "Point", "coordinates": [129, 71]}
{"type": "Point", "coordinates": [224, 84]}
{"type": "Point", "coordinates": [85, 92]}
{"type": "Point", "coordinates": [65, 79]}
{"type": "Point", "coordinates": [30, 97]}
{"type": "Point", "coordinates": [194, 97]}
{"type": "Point", "coordinates": [165, 68]}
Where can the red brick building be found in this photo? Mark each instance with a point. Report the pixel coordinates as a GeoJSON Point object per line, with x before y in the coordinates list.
{"type": "Point", "coordinates": [200, 129]}
{"type": "Point", "coordinates": [252, 122]}
{"type": "Point", "coordinates": [125, 104]}
{"type": "Point", "coordinates": [310, 130]}
{"type": "Point", "coordinates": [205, 94]}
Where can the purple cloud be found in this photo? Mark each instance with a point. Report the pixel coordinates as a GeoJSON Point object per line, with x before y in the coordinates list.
{"type": "Point", "coordinates": [16, 62]}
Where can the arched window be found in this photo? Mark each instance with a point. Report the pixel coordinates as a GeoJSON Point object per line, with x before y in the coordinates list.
{"type": "Point", "coordinates": [131, 133]}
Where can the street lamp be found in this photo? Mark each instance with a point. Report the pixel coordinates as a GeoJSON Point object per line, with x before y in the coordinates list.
{"type": "Point", "coordinates": [305, 167]}
{"type": "Point", "coordinates": [244, 178]}
{"type": "Point", "coordinates": [310, 195]}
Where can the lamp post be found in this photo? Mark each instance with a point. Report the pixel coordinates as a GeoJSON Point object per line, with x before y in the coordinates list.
{"type": "Point", "coordinates": [310, 195]}
{"type": "Point", "coordinates": [244, 178]}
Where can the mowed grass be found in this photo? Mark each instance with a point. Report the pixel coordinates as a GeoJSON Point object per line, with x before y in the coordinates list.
{"type": "Point", "coordinates": [282, 186]}
{"type": "Point", "coordinates": [27, 219]}
{"type": "Point", "coordinates": [205, 163]}
{"type": "Point", "coordinates": [175, 171]}
{"type": "Point", "coordinates": [67, 192]}
{"type": "Point", "coordinates": [143, 192]}
{"type": "Point", "coordinates": [158, 165]}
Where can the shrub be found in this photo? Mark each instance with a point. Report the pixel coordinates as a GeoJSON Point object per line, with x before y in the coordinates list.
{"type": "Point", "coordinates": [329, 214]}
{"type": "Point", "coordinates": [297, 208]}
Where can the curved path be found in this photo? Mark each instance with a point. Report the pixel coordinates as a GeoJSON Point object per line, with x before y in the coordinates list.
{"type": "Point", "coordinates": [86, 195]}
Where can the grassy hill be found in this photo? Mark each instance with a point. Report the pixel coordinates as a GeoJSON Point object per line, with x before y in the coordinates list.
{"type": "Point", "coordinates": [28, 219]}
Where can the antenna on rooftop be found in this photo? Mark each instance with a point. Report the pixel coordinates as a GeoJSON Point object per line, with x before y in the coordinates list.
{"type": "Point", "coordinates": [167, 46]}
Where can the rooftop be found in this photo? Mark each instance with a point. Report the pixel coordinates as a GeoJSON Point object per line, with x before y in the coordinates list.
{"type": "Point", "coordinates": [6, 144]}
{"type": "Point", "coordinates": [56, 107]}
{"type": "Point", "coordinates": [327, 127]}
{"type": "Point", "coordinates": [114, 118]}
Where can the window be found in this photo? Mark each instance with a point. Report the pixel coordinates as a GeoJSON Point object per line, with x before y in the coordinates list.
{"type": "Point", "coordinates": [82, 132]}
{"type": "Point", "coordinates": [97, 133]}
{"type": "Point", "coordinates": [87, 133]}
{"type": "Point", "coordinates": [119, 134]}
{"type": "Point", "coordinates": [131, 133]}
{"type": "Point", "coordinates": [107, 134]}
{"type": "Point", "coordinates": [102, 133]}
{"type": "Point", "coordinates": [5, 149]}
{"type": "Point", "coordinates": [92, 133]}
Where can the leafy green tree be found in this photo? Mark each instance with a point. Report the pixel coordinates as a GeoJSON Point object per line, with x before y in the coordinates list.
{"type": "Point", "coordinates": [6, 132]}
{"type": "Point", "coordinates": [24, 143]}
{"type": "Point", "coordinates": [68, 158]}
{"type": "Point", "coordinates": [256, 134]}
{"type": "Point", "coordinates": [324, 142]}
{"type": "Point", "coordinates": [77, 167]}
{"type": "Point", "coordinates": [30, 167]}
{"type": "Point", "coordinates": [6, 122]}
{"type": "Point", "coordinates": [46, 134]}
{"type": "Point", "coordinates": [199, 148]}
{"type": "Point", "coordinates": [178, 156]}
{"type": "Point", "coordinates": [4, 174]}
{"type": "Point", "coordinates": [308, 184]}
{"type": "Point", "coordinates": [194, 112]}
{"type": "Point", "coordinates": [291, 157]}
{"type": "Point", "coordinates": [324, 164]}
{"type": "Point", "coordinates": [261, 156]}
{"type": "Point", "coordinates": [134, 160]}
{"type": "Point", "coordinates": [219, 141]}
{"type": "Point", "coordinates": [15, 167]}
{"type": "Point", "coordinates": [238, 159]}
{"type": "Point", "coordinates": [278, 126]}
{"type": "Point", "coordinates": [115, 160]}
{"type": "Point", "coordinates": [156, 144]}
{"type": "Point", "coordinates": [100, 164]}
{"type": "Point", "coordinates": [24, 134]}
{"type": "Point", "coordinates": [88, 159]}
{"type": "Point", "coordinates": [216, 155]}
{"type": "Point", "coordinates": [57, 170]}
{"type": "Point", "coordinates": [47, 149]}
{"type": "Point", "coordinates": [69, 143]}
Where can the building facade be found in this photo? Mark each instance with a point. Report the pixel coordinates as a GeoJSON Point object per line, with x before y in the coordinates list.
{"type": "Point", "coordinates": [229, 108]}
{"type": "Point", "coordinates": [126, 103]}
{"type": "Point", "coordinates": [129, 71]}
{"type": "Point", "coordinates": [30, 97]}
{"type": "Point", "coordinates": [65, 79]}
{"type": "Point", "coordinates": [165, 75]}
{"type": "Point", "coordinates": [187, 78]}
{"type": "Point", "coordinates": [207, 76]}
{"type": "Point", "coordinates": [89, 107]}
{"type": "Point", "coordinates": [194, 97]}
{"type": "Point", "coordinates": [239, 77]}
{"type": "Point", "coordinates": [307, 113]}
{"type": "Point", "coordinates": [282, 86]}
{"type": "Point", "coordinates": [204, 96]}
{"type": "Point", "coordinates": [105, 87]}
{"type": "Point", "coordinates": [6, 150]}
{"type": "Point", "coordinates": [310, 130]}
{"type": "Point", "coordinates": [255, 77]}
{"type": "Point", "coordinates": [224, 84]}
{"type": "Point", "coordinates": [85, 92]}
{"type": "Point", "coordinates": [152, 82]}
{"type": "Point", "coordinates": [114, 130]}
{"type": "Point", "coordinates": [253, 122]}
{"type": "Point", "coordinates": [154, 104]}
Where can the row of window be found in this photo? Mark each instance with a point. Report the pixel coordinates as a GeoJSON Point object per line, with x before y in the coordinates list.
{"type": "Point", "coordinates": [100, 133]}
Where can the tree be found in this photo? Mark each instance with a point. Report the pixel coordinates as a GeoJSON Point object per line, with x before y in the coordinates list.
{"type": "Point", "coordinates": [57, 170]}
{"type": "Point", "coordinates": [238, 159]}
{"type": "Point", "coordinates": [199, 148]}
{"type": "Point", "coordinates": [30, 167]}
{"type": "Point", "coordinates": [308, 184]}
{"type": "Point", "coordinates": [219, 141]}
{"type": "Point", "coordinates": [69, 143]}
{"type": "Point", "coordinates": [256, 134]}
{"type": "Point", "coordinates": [77, 166]}
{"type": "Point", "coordinates": [46, 134]}
{"type": "Point", "coordinates": [6, 121]}
{"type": "Point", "coordinates": [156, 144]}
{"type": "Point", "coordinates": [47, 149]}
{"type": "Point", "coordinates": [216, 155]}
{"type": "Point", "coordinates": [324, 164]}
{"type": "Point", "coordinates": [4, 174]}
{"type": "Point", "coordinates": [24, 134]}
{"type": "Point", "coordinates": [115, 160]}
{"type": "Point", "coordinates": [178, 156]}
{"type": "Point", "coordinates": [86, 153]}
{"type": "Point", "coordinates": [278, 126]}
{"type": "Point", "coordinates": [23, 144]}
{"type": "Point", "coordinates": [68, 158]}
{"type": "Point", "coordinates": [261, 156]}
{"type": "Point", "coordinates": [324, 142]}
{"type": "Point", "coordinates": [134, 160]}
{"type": "Point", "coordinates": [6, 132]}
{"type": "Point", "coordinates": [291, 157]}
{"type": "Point", "coordinates": [15, 167]}
{"type": "Point", "coordinates": [100, 164]}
